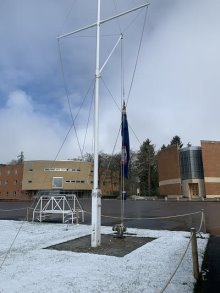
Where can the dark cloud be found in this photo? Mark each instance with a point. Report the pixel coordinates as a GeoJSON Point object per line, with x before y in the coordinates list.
{"type": "Point", "coordinates": [175, 89]}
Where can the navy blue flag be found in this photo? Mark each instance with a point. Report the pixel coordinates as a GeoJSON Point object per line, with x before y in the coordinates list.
{"type": "Point", "coordinates": [125, 152]}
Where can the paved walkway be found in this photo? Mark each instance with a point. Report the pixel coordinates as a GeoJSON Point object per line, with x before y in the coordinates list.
{"type": "Point", "coordinates": [211, 271]}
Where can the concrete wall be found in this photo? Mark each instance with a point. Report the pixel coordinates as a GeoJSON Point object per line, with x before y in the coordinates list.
{"type": "Point", "coordinates": [76, 175]}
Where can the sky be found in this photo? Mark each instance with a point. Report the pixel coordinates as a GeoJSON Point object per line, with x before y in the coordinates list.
{"type": "Point", "coordinates": [171, 85]}
{"type": "Point", "coordinates": [31, 268]}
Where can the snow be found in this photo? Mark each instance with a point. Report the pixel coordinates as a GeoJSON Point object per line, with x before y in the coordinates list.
{"type": "Point", "coordinates": [30, 268]}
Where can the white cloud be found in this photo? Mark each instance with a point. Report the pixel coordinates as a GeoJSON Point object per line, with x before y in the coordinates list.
{"type": "Point", "coordinates": [23, 129]}
{"type": "Point", "coordinates": [38, 135]}
{"type": "Point", "coordinates": [175, 90]}
{"type": "Point", "coordinates": [19, 102]}
{"type": "Point", "coordinates": [177, 84]}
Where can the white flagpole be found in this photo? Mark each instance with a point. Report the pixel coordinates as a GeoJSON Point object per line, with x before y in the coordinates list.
{"type": "Point", "coordinates": [96, 194]}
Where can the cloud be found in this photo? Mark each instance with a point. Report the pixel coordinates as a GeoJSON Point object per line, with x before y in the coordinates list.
{"type": "Point", "coordinates": [178, 77]}
{"type": "Point", "coordinates": [175, 89]}
{"type": "Point", "coordinates": [23, 129]}
{"type": "Point", "coordinates": [37, 134]}
{"type": "Point", "coordinates": [19, 102]}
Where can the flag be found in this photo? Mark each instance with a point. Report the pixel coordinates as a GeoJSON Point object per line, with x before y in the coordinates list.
{"type": "Point", "coordinates": [125, 152]}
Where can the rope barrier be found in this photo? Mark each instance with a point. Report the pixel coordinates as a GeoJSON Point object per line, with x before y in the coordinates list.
{"type": "Point", "coordinates": [16, 209]}
{"type": "Point", "coordinates": [201, 223]}
{"type": "Point", "coordinates": [173, 274]}
{"type": "Point", "coordinates": [181, 259]}
{"type": "Point", "coordinates": [150, 218]}
{"type": "Point", "coordinates": [129, 218]}
{"type": "Point", "coordinates": [165, 217]}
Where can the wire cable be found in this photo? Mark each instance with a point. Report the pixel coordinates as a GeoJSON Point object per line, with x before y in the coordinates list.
{"type": "Point", "coordinates": [87, 125]}
{"type": "Point", "coordinates": [118, 20]}
{"type": "Point", "coordinates": [9, 250]}
{"type": "Point", "coordinates": [67, 94]}
{"type": "Point", "coordinates": [138, 54]}
{"type": "Point", "coordinates": [67, 16]}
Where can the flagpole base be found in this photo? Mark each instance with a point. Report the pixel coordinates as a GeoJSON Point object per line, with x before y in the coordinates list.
{"type": "Point", "coordinates": [96, 218]}
{"type": "Point", "coordinates": [119, 229]}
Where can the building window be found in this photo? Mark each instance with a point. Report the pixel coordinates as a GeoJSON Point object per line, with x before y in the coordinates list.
{"type": "Point", "coordinates": [57, 182]}
{"type": "Point", "coordinates": [16, 171]}
{"type": "Point", "coordinates": [29, 181]}
{"type": "Point", "coordinates": [75, 181]}
{"type": "Point", "coordinates": [6, 182]}
{"type": "Point", "coordinates": [8, 172]}
{"type": "Point", "coordinates": [30, 170]}
{"type": "Point", "coordinates": [191, 163]}
{"type": "Point", "coordinates": [61, 170]}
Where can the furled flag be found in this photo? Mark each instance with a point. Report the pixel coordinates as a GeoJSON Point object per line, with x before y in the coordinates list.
{"type": "Point", "coordinates": [125, 153]}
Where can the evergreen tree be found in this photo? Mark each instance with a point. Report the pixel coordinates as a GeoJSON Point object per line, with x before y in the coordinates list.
{"type": "Point", "coordinates": [132, 183]}
{"type": "Point", "coordinates": [163, 147]}
{"type": "Point", "coordinates": [176, 140]}
{"type": "Point", "coordinates": [147, 169]}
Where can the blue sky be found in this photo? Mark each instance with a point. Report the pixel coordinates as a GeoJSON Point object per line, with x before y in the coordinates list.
{"type": "Point", "coordinates": [175, 89]}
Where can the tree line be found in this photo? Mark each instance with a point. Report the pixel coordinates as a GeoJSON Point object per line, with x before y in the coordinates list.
{"type": "Point", "coordinates": [143, 171]}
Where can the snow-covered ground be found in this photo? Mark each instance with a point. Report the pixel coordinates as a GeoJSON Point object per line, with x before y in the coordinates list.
{"type": "Point", "coordinates": [30, 268]}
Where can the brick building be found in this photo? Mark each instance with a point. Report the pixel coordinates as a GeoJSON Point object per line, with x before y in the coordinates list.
{"type": "Point", "coordinates": [211, 166]}
{"type": "Point", "coordinates": [24, 180]}
{"type": "Point", "coordinates": [11, 182]}
{"type": "Point", "coordinates": [169, 171]}
{"type": "Point", "coordinates": [191, 172]}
